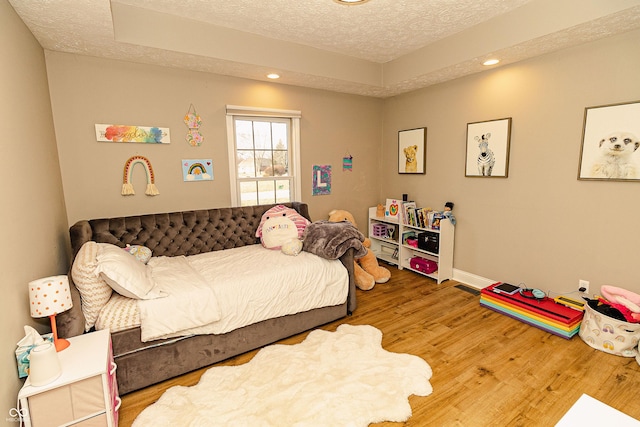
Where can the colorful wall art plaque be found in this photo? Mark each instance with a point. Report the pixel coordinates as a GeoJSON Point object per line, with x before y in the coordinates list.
{"type": "Point", "coordinates": [321, 180]}
{"type": "Point", "coordinates": [347, 163]}
{"type": "Point", "coordinates": [193, 122]}
{"type": "Point", "coordinates": [197, 170]}
{"type": "Point", "coordinates": [125, 133]}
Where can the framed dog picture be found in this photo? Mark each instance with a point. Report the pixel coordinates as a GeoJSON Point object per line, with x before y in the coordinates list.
{"type": "Point", "coordinates": [412, 150]}
{"type": "Point", "coordinates": [488, 148]}
{"type": "Point", "coordinates": [610, 143]}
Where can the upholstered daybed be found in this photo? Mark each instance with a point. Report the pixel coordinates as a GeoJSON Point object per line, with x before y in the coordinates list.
{"type": "Point", "coordinates": [188, 233]}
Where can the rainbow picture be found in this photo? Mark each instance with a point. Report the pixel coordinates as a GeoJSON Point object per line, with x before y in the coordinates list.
{"type": "Point", "coordinates": [126, 133]}
{"type": "Point", "coordinates": [197, 170]}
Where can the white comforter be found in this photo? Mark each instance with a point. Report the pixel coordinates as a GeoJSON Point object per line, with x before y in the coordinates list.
{"type": "Point", "coordinates": [220, 291]}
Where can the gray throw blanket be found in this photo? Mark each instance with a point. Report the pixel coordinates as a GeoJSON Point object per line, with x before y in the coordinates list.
{"type": "Point", "coordinates": [332, 239]}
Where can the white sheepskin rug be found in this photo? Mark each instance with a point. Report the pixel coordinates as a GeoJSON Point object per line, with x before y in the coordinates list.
{"type": "Point", "coordinates": [342, 378]}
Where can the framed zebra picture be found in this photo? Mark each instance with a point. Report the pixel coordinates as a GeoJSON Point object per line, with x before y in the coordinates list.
{"type": "Point", "coordinates": [412, 150]}
{"type": "Point", "coordinates": [488, 148]}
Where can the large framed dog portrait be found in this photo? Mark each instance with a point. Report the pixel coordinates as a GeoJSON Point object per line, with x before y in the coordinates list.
{"type": "Point", "coordinates": [412, 150]}
{"type": "Point", "coordinates": [488, 148]}
{"type": "Point", "coordinates": [610, 143]}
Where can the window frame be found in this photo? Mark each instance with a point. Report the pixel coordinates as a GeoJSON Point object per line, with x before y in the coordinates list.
{"type": "Point", "coordinates": [235, 111]}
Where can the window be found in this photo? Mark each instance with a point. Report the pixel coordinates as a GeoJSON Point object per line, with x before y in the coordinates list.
{"type": "Point", "coordinates": [263, 155]}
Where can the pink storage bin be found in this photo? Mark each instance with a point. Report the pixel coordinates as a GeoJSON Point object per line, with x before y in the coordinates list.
{"type": "Point", "coordinates": [426, 266]}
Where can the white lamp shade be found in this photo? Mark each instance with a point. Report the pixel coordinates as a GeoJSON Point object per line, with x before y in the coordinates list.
{"type": "Point", "coordinates": [49, 296]}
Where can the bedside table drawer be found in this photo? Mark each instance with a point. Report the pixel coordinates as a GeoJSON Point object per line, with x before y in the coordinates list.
{"type": "Point", "coordinates": [68, 403]}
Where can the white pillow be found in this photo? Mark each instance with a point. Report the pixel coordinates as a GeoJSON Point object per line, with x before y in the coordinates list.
{"type": "Point", "coordinates": [124, 273]}
{"type": "Point", "coordinates": [94, 292]}
{"type": "Point", "coordinates": [119, 314]}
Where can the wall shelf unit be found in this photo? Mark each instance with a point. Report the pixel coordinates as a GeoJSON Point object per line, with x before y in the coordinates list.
{"type": "Point", "coordinates": [388, 242]}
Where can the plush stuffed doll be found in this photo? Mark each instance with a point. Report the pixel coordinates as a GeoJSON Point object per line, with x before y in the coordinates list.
{"type": "Point", "coordinates": [279, 225]}
{"type": "Point", "coordinates": [278, 230]}
{"type": "Point", "coordinates": [447, 213]}
{"type": "Point", "coordinates": [366, 269]}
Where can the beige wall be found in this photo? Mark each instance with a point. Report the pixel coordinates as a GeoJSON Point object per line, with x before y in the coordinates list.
{"type": "Point", "coordinates": [33, 215]}
{"type": "Point", "coordinates": [541, 225]}
{"type": "Point", "coordinates": [86, 90]}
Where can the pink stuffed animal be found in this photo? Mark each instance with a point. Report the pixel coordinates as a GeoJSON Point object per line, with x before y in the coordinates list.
{"type": "Point", "coordinates": [279, 225]}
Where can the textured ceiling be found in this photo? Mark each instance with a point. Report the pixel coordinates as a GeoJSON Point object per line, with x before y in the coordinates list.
{"type": "Point", "coordinates": [379, 31]}
{"type": "Point", "coordinates": [380, 48]}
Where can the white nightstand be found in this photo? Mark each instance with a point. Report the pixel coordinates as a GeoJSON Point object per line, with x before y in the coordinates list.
{"type": "Point", "coordinates": [86, 394]}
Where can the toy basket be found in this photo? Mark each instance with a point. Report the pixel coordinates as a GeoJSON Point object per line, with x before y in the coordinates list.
{"type": "Point", "coordinates": [610, 335]}
{"type": "Point", "coordinates": [379, 230]}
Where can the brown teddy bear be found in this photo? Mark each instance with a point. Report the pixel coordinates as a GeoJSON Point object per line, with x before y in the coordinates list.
{"type": "Point", "coordinates": [366, 269]}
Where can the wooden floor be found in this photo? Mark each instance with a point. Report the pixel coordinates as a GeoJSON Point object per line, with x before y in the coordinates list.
{"type": "Point", "coordinates": [488, 369]}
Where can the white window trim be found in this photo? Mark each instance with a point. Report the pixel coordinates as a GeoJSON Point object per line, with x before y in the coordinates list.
{"type": "Point", "coordinates": [294, 115]}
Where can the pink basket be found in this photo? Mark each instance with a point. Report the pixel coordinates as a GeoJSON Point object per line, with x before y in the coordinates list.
{"type": "Point", "coordinates": [379, 230]}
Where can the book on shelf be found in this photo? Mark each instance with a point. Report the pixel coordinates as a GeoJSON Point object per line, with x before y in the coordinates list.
{"type": "Point", "coordinates": [405, 211]}
{"type": "Point", "coordinates": [414, 216]}
{"type": "Point", "coordinates": [417, 217]}
{"type": "Point", "coordinates": [435, 220]}
{"type": "Point", "coordinates": [392, 208]}
{"type": "Point", "coordinates": [423, 218]}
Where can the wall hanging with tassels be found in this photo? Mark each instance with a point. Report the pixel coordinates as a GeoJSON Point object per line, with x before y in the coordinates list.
{"type": "Point", "coordinates": [127, 187]}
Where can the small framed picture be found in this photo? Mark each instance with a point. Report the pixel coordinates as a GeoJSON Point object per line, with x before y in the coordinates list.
{"type": "Point", "coordinates": [610, 142]}
{"type": "Point", "coordinates": [488, 148]}
{"type": "Point", "coordinates": [412, 150]}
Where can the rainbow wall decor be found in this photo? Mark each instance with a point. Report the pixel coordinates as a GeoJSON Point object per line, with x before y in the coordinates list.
{"type": "Point", "coordinates": [197, 170]}
{"type": "Point", "coordinates": [126, 133]}
{"type": "Point", "coordinates": [127, 187]}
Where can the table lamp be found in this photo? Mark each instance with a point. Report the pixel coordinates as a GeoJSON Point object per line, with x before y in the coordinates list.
{"type": "Point", "coordinates": [48, 297]}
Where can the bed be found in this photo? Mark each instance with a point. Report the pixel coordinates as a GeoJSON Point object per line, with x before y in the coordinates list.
{"type": "Point", "coordinates": [192, 234]}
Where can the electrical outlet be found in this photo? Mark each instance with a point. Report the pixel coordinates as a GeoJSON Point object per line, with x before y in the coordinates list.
{"type": "Point", "coordinates": [584, 284]}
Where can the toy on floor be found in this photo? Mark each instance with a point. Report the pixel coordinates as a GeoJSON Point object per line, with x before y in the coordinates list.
{"type": "Point", "coordinates": [366, 269]}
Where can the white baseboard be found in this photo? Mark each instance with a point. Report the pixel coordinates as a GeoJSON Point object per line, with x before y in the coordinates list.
{"type": "Point", "coordinates": [471, 279]}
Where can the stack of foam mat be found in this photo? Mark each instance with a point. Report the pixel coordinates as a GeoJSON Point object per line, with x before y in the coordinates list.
{"type": "Point", "coordinates": [542, 313]}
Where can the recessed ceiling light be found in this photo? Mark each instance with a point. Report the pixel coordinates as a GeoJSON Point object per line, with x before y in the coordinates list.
{"type": "Point", "coordinates": [351, 2]}
{"type": "Point", "coordinates": [491, 62]}
{"type": "Point", "coordinates": [273, 76]}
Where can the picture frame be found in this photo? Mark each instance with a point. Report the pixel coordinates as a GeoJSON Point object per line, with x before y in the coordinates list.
{"type": "Point", "coordinates": [194, 170]}
{"type": "Point", "coordinates": [321, 180]}
{"type": "Point", "coordinates": [610, 143]}
{"type": "Point", "coordinates": [488, 145]}
{"type": "Point", "coordinates": [412, 151]}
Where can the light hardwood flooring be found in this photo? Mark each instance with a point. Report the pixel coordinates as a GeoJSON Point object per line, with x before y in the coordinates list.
{"type": "Point", "coordinates": [488, 369]}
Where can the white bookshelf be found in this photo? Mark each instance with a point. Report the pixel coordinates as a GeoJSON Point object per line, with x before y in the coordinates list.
{"type": "Point", "coordinates": [389, 247]}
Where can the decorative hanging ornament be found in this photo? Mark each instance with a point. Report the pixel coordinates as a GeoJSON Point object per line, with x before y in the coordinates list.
{"type": "Point", "coordinates": [347, 162]}
{"type": "Point", "coordinates": [127, 187]}
{"type": "Point", "coordinates": [193, 122]}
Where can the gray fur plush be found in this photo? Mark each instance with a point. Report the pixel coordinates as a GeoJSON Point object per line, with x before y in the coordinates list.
{"type": "Point", "coordinates": [332, 239]}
